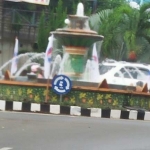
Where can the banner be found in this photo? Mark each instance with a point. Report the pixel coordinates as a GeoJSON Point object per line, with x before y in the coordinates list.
{"type": "Point", "coordinates": [14, 61]}
{"type": "Point", "coordinates": [40, 2]}
{"type": "Point", "coordinates": [48, 56]}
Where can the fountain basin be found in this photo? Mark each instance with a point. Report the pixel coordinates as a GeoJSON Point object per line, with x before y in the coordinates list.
{"type": "Point", "coordinates": [77, 22]}
{"type": "Point", "coordinates": [93, 84]}
{"type": "Point", "coordinates": [76, 39]}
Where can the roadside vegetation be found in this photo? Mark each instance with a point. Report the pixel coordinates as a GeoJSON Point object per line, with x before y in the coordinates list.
{"type": "Point", "coordinates": [126, 30]}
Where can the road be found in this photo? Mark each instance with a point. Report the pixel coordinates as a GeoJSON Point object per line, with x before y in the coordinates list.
{"type": "Point", "coordinates": [26, 131]}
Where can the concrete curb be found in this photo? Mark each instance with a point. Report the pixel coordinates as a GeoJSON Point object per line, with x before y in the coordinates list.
{"type": "Point", "coordinates": [73, 110]}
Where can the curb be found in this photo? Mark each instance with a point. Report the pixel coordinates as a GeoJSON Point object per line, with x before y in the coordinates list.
{"type": "Point", "coordinates": [74, 110]}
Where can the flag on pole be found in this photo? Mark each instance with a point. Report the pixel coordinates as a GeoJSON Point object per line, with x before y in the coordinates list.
{"type": "Point", "coordinates": [14, 61]}
{"type": "Point", "coordinates": [48, 56]}
{"type": "Point", "coordinates": [94, 65]}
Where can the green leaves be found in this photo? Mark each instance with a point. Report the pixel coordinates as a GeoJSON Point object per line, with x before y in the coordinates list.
{"type": "Point", "coordinates": [122, 27]}
{"type": "Point", "coordinates": [42, 34]}
{"type": "Point", "coordinates": [50, 22]}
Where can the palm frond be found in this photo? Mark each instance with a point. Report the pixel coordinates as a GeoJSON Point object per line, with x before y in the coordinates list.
{"type": "Point", "coordinates": [144, 49]}
{"type": "Point", "coordinates": [97, 19]}
{"type": "Point", "coordinates": [144, 8]}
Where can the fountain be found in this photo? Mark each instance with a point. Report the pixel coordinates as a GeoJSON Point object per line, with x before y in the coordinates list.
{"type": "Point", "coordinates": [26, 60]}
{"type": "Point", "coordinates": [56, 66]}
{"type": "Point", "coordinates": [87, 72]}
{"type": "Point", "coordinates": [76, 39]}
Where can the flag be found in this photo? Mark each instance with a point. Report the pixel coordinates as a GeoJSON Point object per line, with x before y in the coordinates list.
{"type": "Point", "coordinates": [14, 60]}
{"type": "Point", "coordinates": [94, 65]}
{"type": "Point", "coordinates": [48, 56]}
{"type": "Point", "coordinates": [40, 2]}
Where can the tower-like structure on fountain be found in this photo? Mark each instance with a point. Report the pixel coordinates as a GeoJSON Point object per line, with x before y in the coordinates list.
{"type": "Point", "coordinates": [76, 38]}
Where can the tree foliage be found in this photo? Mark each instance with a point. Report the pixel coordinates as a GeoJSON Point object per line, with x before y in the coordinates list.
{"type": "Point", "coordinates": [42, 34]}
{"type": "Point", "coordinates": [109, 4]}
{"type": "Point", "coordinates": [125, 29]}
{"type": "Point", "coordinates": [50, 22]}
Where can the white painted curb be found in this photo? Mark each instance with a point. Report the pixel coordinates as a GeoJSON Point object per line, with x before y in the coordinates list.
{"type": "Point", "coordinates": [35, 107]}
{"type": "Point", "coordinates": [75, 110]}
{"type": "Point", "coordinates": [55, 109]}
{"type": "Point", "coordinates": [115, 114]}
{"type": "Point", "coordinates": [17, 106]}
{"type": "Point", "coordinates": [133, 114]}
{"type": "Point", "coordinates": [2, 105]}
{"type": "Point", "coordinates": [95, 112]}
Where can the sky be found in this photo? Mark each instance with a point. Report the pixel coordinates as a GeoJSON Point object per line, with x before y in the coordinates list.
{"type": "Point", "coordinates": [139, 1]}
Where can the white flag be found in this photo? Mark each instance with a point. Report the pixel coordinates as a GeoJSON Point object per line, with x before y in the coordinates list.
{"type": "Point", "coordinates": [94, 65]}
{"type": "Point", "coordinates": [48, 56]}
{"type": "Point", "coordinates": [14, 61]}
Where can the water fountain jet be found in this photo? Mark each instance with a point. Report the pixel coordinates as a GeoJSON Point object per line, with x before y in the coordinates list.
{"type": "Point", "coordinates": [80, 10]}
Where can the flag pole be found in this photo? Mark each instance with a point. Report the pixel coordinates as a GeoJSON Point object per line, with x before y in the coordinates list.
{"type": "Point", "coordinates": [47, 64]}
{"type": "Point", "coordinates": [47, 86]}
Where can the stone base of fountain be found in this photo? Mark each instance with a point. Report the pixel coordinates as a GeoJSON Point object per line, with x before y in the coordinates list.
{"type": "Point", "coordinates": [74, 83]}
{"type": "Point", "coordinates": [42, 80]}
{"type": "Point", "coordinates": [122, 87]}
{"type": "Point", "coordinates": [84, 84]}
{"type": "Point", "coordinates": [32, 77]}
{"type": "Point", "coordinates": [84, 94]}
{"type": "Point", "coordinates": [92, 84]}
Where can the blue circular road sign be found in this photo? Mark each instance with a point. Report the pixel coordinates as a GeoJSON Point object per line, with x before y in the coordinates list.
{"type": "Point", "coordinates": [61, 84]}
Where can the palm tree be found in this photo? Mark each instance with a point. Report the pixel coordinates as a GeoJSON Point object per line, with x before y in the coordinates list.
{"type": "Point", "coordinates": [125, 29]}
{"type": "Point", "coordinates": [136, 27]}
{"type": "Point", "coordinates": [106, 23]}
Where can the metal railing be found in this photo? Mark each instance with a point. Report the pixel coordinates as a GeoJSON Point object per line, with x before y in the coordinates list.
{"type": "Point", "coordinates": [26, 20]}
{"type": "Point", "coordinates": [23, 17]}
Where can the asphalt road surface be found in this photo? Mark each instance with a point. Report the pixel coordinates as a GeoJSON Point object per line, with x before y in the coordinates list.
{"type": "Point", "coordinates": [26, 131]}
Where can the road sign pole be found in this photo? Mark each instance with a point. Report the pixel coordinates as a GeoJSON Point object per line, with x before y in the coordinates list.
{"type": "Point", "coordinates": [61, 96]}
{"type": "Point", "coordinates": [47, 87]}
